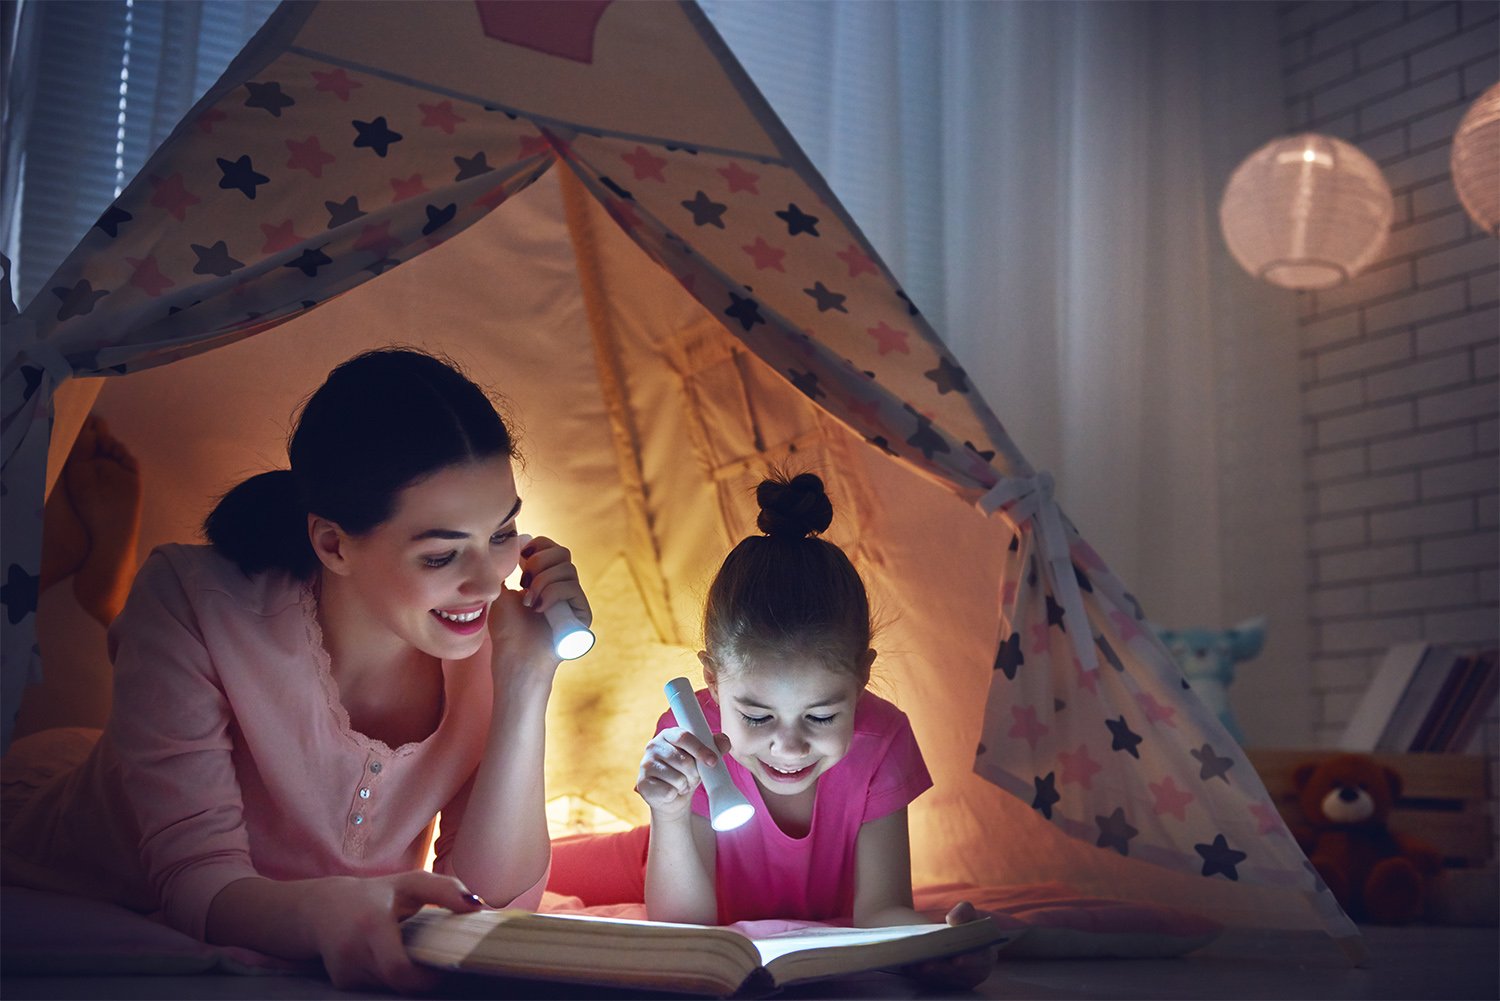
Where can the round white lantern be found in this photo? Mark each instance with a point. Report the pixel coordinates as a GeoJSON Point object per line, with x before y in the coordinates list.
{"type": "Point", "coordinates": [1475, 161]}
{"type": "Point", "coordinates": [1306, 212]}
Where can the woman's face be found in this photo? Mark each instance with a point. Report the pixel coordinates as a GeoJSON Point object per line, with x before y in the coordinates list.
{"type": "Point", "coordinates": [429, 572]}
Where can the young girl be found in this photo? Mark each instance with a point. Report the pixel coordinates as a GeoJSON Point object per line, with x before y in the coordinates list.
{"type": "Point", "coordinates": [296, 702]}
{"type": "Point", "coordinates": [828, 766]}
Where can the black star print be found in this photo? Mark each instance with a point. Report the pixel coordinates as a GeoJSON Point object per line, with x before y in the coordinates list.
{"type": "Point", "coordinates": [375, 135]}
{"type": "Point", "coordinates": [240, 175]}
{"type": "Point", "coordinates": [880, 442]}
{"type": "Point", "coordinates": [986, 455]}
{"type": "Point", "coordinates": [343, 212]}
{"type": "Point", "coordinates": [1318, 885]}
{"type": "Point", "coordinates": [1058, 705]}
{"type": "Point", "coordinates": [215, 260]}
{"type": "Point", "coordinates": [1110, 657]}
{"type": "Point", "coordinates": [807, 382]}
{"type": "Point", "coordinates": [1015, 544]}
{"type": "Point", "coordinates": [381, 266]}
{"type": "Point", "coordinates": [927, 440]}
{"type": "Point", "coordinates": [1125, 739]}
{"type": "Point", "coordinates": [706, 211]}
{"type": "Point", "coordinates": [1055, 614]}
{"type": "Point", "coordinates": [826, 298]}
{"type": "Point", "coordinates": [1009, 657]}
{"type": "Point", "coordinates": [437, 218]}
{"type": "Point", "coordinates": [19, 593]}
{"type": "Point", "coordinates": [78, 300]}
{"type": "Point", "coordinates": [948, 377]}
{"type": "Point", "coordinates": [746, 310]}
{"type": "Point", "coordinates": [621, 193]}
{"type": "Point", "coordinates": [1084, 583]}
{"type": "Point", "coordinates": [1135, 607]}
{"type": "Point", "coordinates": [1213, 766]}
{"type": "Point", "coordinates": [110, 221]}
{"type": "Point", "coordinates": [911, 307]}
{"type": "Point", "coordinates": [979, 751]}
{"type": "Point", "coordinates": [1031, 572]}
{"type": "Point", "coordinates": [267, 96]}
{"type": "Point", "coordinates": [1219, 858]}
{"type": "Point", "coordinates": [33, 377]}
{"type": "Point", "coordinates": [1046, 794]}
{"type": "Point", "coordinates": [309, 261]}
{"type": "Point", "coordinates": [798, 221]}
{"type": "Point", "coordinates": [471, 166]}
{"type": "Point", "coordinates": [1114, 832]}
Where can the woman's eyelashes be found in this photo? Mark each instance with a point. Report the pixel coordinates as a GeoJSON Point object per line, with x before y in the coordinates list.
{"type": "Point", "coordinates": [498, 539]}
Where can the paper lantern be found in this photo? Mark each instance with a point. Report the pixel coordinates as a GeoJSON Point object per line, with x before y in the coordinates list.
{"type": "Point", "coordinates": [1306, 212]}
{"type": "Point", "coordinates": [1475, 161]}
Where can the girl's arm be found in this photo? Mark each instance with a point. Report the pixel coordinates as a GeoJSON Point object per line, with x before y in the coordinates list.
{"type": "Point", "coordinates": [680, 858]}
{"type": "Point", "coordinates": [502, 850]}
{"type": "Point", "coordinates": [882, 874]}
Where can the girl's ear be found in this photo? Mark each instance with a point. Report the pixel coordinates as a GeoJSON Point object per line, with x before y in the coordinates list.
{"type": "Point", "coordinates": [328, 543]}
{"type": "Point", "coordinates": [710, 673]}
{"type": "Point", "coordinates": [865, 663]}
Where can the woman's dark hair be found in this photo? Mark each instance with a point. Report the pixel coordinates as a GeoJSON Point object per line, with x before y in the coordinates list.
{"type": "Point", "coordinates": [787, 592]}
{"type": "Point", "coordinates": [381, 421]}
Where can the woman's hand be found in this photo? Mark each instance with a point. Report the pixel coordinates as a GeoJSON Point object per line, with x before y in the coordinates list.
{"type": "Point", "coordinates": [355, 924]}
{"type": "Point", "coordinates": [960, 972]}
{"type": "Point", "coordinates": [519, 631]}
{"type": "Point", "coordinates": [669, 770]}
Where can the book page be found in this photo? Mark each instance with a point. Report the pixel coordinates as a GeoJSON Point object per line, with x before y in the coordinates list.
{"type": "Point", "coordinates": [775, 946]}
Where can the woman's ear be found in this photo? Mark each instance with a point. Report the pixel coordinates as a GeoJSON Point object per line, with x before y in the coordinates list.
{"type": "Point", "coordinates": [328, 543]}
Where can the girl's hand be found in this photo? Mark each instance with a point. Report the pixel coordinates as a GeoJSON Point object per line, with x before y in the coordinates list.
{"type": "Point", "coordinates": [669, 770]}
{"type": "Point", "coordinates": [960, 972]}
{"type": "Point", "coordinates": [519, 631]}
{"type": "Point", "coordinates": [355, 925]}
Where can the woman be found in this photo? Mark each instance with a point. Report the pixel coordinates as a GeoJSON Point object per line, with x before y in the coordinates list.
{"type": "Point", "coordinates": [297, 701]}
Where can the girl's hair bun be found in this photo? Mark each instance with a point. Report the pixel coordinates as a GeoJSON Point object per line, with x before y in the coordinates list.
{"type": "Point", "coordinates": [793, 508]}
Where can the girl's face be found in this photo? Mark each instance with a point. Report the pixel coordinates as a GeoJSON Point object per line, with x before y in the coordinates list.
{"type": "Point", "coordinates": [789, 721]}
{"type": "Point", "coordinates": [429, 572]}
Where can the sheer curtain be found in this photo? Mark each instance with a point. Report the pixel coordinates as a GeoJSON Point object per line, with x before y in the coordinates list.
{"type": "Point", "coordinates": [1044, 178]}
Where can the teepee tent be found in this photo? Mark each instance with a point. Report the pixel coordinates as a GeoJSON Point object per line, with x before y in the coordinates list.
{"type": "Point", "coordinates": [589, 206]}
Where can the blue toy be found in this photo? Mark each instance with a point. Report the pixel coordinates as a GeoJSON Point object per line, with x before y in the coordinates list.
{"type": "Point", "coordinates": [1207, 658]}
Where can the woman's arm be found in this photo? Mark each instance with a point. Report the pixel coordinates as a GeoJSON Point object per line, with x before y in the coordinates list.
{"type": "Point", "coordinates": [502, 849]}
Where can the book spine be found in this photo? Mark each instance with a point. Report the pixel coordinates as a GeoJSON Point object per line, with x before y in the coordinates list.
{"type": "Point", "coordinates": [1443, 704]}
{"type": "Point", "coordinates": [1472, 704]}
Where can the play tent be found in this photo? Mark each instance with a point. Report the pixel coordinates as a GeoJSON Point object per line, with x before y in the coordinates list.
{"type": "Point", "coordinates": [589, 206]}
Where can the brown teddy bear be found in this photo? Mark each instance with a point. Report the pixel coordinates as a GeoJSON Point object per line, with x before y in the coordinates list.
{"type": "Point", "coordinates": [1376, 874]}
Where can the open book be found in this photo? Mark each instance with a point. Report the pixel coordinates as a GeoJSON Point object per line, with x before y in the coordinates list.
{"type": "Point", "coordinates": [661, 956]}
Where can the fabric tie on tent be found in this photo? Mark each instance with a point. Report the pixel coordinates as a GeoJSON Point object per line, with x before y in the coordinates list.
{"type": "Point", "coordinates": [1028, 499]}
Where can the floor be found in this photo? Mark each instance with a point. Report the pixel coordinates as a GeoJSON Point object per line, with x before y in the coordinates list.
{"type": "Point", "coordinates": [1405, 963]}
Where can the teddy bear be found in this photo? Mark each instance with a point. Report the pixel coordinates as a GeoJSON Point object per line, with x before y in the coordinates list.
{"type": "Point", "coordinates": [1378, 875]}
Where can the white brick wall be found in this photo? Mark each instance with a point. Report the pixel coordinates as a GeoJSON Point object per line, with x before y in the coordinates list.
{"type": "Point", "coordinates": [1399, 388]}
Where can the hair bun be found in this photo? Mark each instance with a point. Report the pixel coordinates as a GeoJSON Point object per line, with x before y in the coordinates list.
{"type": "Point", "coordinates": [793, 509]}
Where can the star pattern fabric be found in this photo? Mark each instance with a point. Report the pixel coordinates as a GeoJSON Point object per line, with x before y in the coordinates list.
{"type": "Point", "coordinates": [311, 178]}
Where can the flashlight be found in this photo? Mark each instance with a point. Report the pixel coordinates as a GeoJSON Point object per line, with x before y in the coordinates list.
{"type": "Point", "coordinates": [727, 806]}
{"type": "Point", "coordinates": [571, 639]}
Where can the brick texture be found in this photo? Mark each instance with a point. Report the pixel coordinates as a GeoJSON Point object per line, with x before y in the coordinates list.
{"type": "Point", "coordinates": [1398, 371]}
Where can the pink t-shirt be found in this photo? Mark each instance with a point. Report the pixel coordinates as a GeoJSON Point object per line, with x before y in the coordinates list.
{"type": "Point", "coordinates": [228, 754]}
{"type": "Point", "coordinates": [763, 873]}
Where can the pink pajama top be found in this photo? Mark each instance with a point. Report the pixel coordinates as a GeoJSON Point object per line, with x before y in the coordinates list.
{"type": "Point", "coordinates": [228, 754]}
{"type": "Point", "coordinates": [761, 872]}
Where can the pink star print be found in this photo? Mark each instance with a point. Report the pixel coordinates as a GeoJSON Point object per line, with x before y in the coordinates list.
{"type": "Point", "coordinates": [403, 188]}
{"type": "Point", "coordinates": [1086, 678]}
{"type": "Point", "coordinates": [308, 155]}
{"type": "Point", "coordinates": [1268, 820]}
{"type": "Point", "coordinates": [279, 237]}
{"type": "Point", "coordinates": [492, 200]}
{"type": "Point", "coordinates": [336, 82]}
{"type": "Point", "coordinates": [646, 165]}
{"type": "Point", "coordinates": [533, 146]}
{"type": "Point", "coordinates": [622, 213]}
{"type": "Point", "coordinates": [1124, 625]}
{"type": "Point", "coordinates": [209, 119]}
{"type": "Point", "coordinates": [740, 179]}
{"type": "Point", "coordinates": [1078, 766]}
{"type": "Point", "coordinates": [1155, 711]}
{"type": "Point", "coordinates": [764, 255]}
{"type": "Point", "coordinates": [1170, 799]}
{"type": "Point", "coordinates": [866, 414]}
{"type": "Point", "coordinates": [440, 116]}
{"type": "Point", "coordinates": [148, 277]}
{"type": "Point", "coordinates": [889, 339]}
{"type": "Point", "coordinates": [1040, 641]}
{"type": "Point", "coordinates": [858, 262]}
{"type": "Point", "coordinates": [1027, 727]}
{"type": "Point", "coordinates": [171, 195]}
{"type": "Point", "coordinates": [377, 239]}
{"type": "Point", "coordinates": [1085, 554]}
{"type": "Point", "coordinates": [1008, 594]}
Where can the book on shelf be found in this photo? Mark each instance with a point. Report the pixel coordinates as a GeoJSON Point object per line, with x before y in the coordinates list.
{"type": "Point", "coordinates": [1472, 704]}
{"type": "Point", "coordinates": [678, 958]}
{"type": "Point", "coordinates": [1445, 705]}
